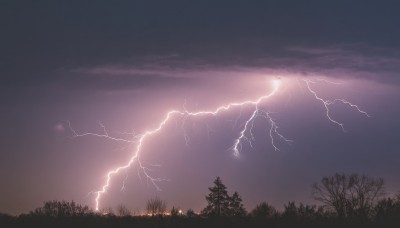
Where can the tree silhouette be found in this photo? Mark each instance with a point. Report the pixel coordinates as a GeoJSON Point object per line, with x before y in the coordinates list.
{"type": "Point", "coordinates": [176, 211]}
{"type": "Point", "coordinates": [236, 207]}
{"type": "Point", "coordinates": [263, 210]}
{"type": "Point", "coordinates": [108, 211]}
{"type": "Point", "coordinates": [309, 211]}
{"type": "Point", "coordinates": [190, 213]}
{"type": "Point", "coordinates": [217, 199]}
{"type": "Point", "coordinates": [123, 211]}
{"type": "Point", "coordinates": [290, 210]}
{"type": "Point", "coordinates": [351, 195]}
{"type": "Point", "coordinates": [62, 209]}
{"type": "Point", "coordinates": [388, 209]}
{"type": "Point", "coordinates": [156, 206]}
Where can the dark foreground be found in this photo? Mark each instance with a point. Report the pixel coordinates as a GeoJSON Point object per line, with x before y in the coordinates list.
{"type": "Point", "coordinates": [149, 222]}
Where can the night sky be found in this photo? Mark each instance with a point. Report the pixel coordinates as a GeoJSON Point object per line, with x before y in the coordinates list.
{"type": "Point", "coordinates": [125, 64]}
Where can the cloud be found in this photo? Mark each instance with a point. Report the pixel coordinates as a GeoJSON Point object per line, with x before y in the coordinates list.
{"type": "Point", "coordinates": [339, 61]}
{"type": "Point", "coordinates": [357, 61]}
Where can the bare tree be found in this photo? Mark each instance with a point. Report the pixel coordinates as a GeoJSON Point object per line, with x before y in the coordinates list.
{"type": "Point", "coordinates": [349, 195]}
{"type": "Point", "coordinates": [156, 206]}
{"type": "Point", "coordinates": [123, 211]}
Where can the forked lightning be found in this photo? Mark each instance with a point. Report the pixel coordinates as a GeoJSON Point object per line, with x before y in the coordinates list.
{"type": "Point", "coordinates": [245, 135]}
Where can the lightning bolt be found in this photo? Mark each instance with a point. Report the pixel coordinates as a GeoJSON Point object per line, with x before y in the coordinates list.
{"type": "Point", "coordinates": [327, 103]}
{"type": "Point", "coordinates": [245, 135]}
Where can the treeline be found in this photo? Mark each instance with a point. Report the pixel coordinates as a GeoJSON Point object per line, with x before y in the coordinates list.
{"type": "Point", "coordinates": [344, 201]}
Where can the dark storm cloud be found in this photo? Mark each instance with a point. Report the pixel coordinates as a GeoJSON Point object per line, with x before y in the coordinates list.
{"type": "Point", "coordinates": [340, 61]}
{"type": "Point", "coordinates": [347, 61]}
{"type": "Point", "coordinates": [109, 81]}
{"type": "Point", "coordinates": [40, 38]}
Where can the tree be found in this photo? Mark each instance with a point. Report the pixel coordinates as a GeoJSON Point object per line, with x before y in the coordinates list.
{"type": "Point", "coordinates": [175, 211]}
{"type": "Point", "coordinates": [236, 206]}
{"type": "Point", "coordinates": [263, 210]}
{"type": "Point", "coordinates": [156, 206]}
{"type": "Point", "coordinates": [352, 195]}
{"type": "Point", "coordinates": [290, 210]}
{"type": "Point", "coordinates": [190, 213]}
{"type": "Point", "coordinates": [62, 209]}
{"type": "Point", "coordinates": [309, 211]}
{"type": "Point", "coordinates": [107, 211]}
{"type": "Point", "coordinates": [388, 209]}
{"type": "Point", "coordinates": [217, 199]}
{"type": "Point", "coordinates": [123, 211]}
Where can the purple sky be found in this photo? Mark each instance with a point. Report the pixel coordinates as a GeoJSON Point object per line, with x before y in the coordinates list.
{"type": "Point", "coordinates": [126, 65]}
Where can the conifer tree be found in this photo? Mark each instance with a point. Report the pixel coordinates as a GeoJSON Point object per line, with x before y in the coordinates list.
{"type": "Point", "coordinates": [236, 207]}
{"type": "Point", "coordinates": [218, 200]}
